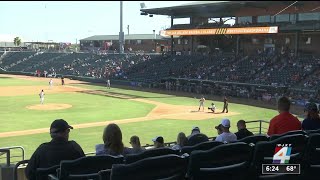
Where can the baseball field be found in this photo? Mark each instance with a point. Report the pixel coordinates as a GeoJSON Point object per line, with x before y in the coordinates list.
{"type": "Point", "coordinates": [89, 108]}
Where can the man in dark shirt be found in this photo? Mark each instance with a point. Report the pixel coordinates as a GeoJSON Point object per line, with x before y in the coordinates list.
{"type": "Point", "coordinates": [51, 153]}
{"type": "Point", "coordinates": [225, 105]}
{"type": "Point", "coordinates": [242, 130]}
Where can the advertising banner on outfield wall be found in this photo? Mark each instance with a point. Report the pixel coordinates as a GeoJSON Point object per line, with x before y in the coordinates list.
{"type": "Point", "coordinates": [217, 31]}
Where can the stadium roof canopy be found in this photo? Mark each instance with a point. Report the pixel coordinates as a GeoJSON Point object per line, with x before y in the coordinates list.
{"type": "Point", "coordinates": [126, 37]}
{"type": "Point", "coordinates": [212, 8]}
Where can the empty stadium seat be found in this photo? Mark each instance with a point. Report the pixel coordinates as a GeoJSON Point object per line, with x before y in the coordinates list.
{"type": "Point", "coordinates": [197, 138]}
{"type": "Point", "coordinates": [85, 167]}
{"type": "Point", "coordinates": [104, 174]}
{"type": "Point", "coordinates": [312, 157]}
{"type": "Point", "coordinates": [149, 153]}
{"type": "Point", "coordinates": [273, 137]}
{"type": "Point", "coordinates": [167, 167]}
{"type": "Point", "coordinates": [254, 139]}
{"type": "Point", "coordinates": [202, 146]}
{"type": "Point", "coordinates": [227, 161]}
{"type": "Point", "coordinates": [42, 173]}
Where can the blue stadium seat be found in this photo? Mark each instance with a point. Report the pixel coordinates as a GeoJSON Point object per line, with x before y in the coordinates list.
{"type": "Point", "coordinates": [197, 138]}
{"type": "Point", "coordinates": [227, 161]}
{"type": "Point", "coordinates": [273, 137]}
{"type": "Point", "coordinates": [167, 167]}
{"type": "Point", "coordinates": [312, 157]}
{"type": "Point", "coordinates": [254, 139]}
{"type": "Point", "coordinates": [87, 167]}
{"type": "Point", "coordinates": [149, 153]}
{"type": "Point", "coordinates": [202, 146]}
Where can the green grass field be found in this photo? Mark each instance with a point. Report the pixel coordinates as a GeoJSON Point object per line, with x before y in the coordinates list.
{"type": "Point", "coordinates": [96, 108]}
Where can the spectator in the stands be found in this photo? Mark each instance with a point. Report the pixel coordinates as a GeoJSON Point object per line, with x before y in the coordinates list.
{"type": "Point", "coordinates": [195, 130]}
{"type": "Point", "coordinates": [113, 145]}
{"type": "Point", "coordinates": [181, 141]}
{"type": "Point", "coordinates": [285, 121]}
{"type": "Point", "coordinates": [242, 130]}
{"type": "Point", "coordinates": [219, 129]}
{"type": "Point", "coordinates": [312, 120]}
{"type": "Point", "coordinates": [158, 142]}
{"type": "Point", "coordinates": [136, 146]}
{"type": "Point", "coordinates": [226, 136]}
{"type": "Point", "coordinates": [51, 153]}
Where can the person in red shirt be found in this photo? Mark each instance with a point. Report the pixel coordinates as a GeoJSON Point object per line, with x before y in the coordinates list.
{"type": "Point", "coordinates": [285, 121]}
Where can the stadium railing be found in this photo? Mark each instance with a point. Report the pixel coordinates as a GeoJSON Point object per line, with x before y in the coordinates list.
{"type": "Point", "coordinates": [7, 152]}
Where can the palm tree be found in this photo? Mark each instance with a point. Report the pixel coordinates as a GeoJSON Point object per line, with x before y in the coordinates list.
{"type": "Point", "coordinates": [17, 41]}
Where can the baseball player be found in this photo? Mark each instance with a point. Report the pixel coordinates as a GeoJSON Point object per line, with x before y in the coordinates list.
{"type": "Point", "coordinates": [225, 104]}
{"type": "Point", "coordinates": [62, 80]}
{"type": "Point", "coordinates": [51, 83]}
{"type": "Point", "coordinates": [41, 96]}
{"type": "Point", "coordinates": [212, 108]}
{"type": "Point", "coordinates": [201, 103]}
{"type": "Point", "coordinates": [108, 84]}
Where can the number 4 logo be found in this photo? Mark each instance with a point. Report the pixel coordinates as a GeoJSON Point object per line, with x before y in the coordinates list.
{"type": "Point", "coordinates": [282, 155]}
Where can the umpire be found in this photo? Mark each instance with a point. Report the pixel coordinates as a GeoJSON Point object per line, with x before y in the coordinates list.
{"type": "Point", "coordinates": [225, 104]}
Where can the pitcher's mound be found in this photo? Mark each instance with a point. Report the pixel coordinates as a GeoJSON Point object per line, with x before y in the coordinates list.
{"type": "Point", "coordinates": [50, 106]}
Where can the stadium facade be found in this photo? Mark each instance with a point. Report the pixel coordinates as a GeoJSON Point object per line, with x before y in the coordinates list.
{"type": "Point", "coordinates": [297, 23]}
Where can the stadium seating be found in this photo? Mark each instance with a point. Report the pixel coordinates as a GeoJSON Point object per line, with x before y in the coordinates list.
{"type": "Point", "coordinates": [312, 157]}
{"type": "Point", "coordinates": [254, 139]}
{"type": "Point", "coordinates": [276, 136]}
{"type": "Point", "coordinates": [42, 173]}
{"type": "Point", "coordinates": [86, 167]}
{"type": "Point", "coordinates": [197, 138]}
{"type": "Point", "coordinates": [202, 146]}
{"type": "Point", "coordinates": [149, 153]}
{"type": "Point", "coordinates": [227, 161]}
{"type": "Point", "coordinates": [167, 167]}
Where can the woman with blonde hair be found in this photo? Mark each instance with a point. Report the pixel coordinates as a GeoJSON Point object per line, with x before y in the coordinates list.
{"type": "Point", "coordinates": [113, 145]}
{"type": "Point", "coordinates": [182, 141]}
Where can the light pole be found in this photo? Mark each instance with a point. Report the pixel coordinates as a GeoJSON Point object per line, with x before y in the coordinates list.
{"type": "Point", "coordinates": [121, 34]}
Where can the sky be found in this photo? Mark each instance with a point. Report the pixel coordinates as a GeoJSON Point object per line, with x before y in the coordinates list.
{"type": "Point", "coordinates": [70, 21]}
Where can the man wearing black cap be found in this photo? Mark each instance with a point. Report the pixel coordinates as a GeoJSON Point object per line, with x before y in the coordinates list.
{"type": "Point", "coordinates": [158, 142]}
{"type": "Point", "coordinates": [51, 153]}
{"type": "Point", "coordinates": [312, 120]}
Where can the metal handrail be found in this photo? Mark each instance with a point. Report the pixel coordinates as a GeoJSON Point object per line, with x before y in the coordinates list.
{"type": "Point", "coordinates": [6, 151]}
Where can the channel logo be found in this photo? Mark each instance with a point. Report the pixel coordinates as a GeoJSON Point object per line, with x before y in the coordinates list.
{"type": "Point", "coordinates": [282, 154]}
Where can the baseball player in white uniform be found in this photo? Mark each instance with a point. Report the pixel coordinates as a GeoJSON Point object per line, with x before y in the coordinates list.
{"type": "Point", "coordinates": [212, 108]}
{"type": "Point", "coordinates": [201, 103]}
{"type": "Point", "coordinates": [108, 84]}
{"type": "Point", "coordinates": [51, 83]}
{"type": "Point", "coordinates": [41, 96]}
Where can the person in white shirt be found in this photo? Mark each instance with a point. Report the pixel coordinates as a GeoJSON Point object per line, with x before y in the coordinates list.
{"type": "Point", "coordinates": [108, 84]}
{"type": "Point", "coordinates": [41, 96]}
{"type": "Point", "coordinates": [212, 108]}
{"type": "Point", "coordinates": [226, 135]}
{"type": "Point", "coordinates": [50, 83]}
{"type": "Point", "coordinates": [202, 100]}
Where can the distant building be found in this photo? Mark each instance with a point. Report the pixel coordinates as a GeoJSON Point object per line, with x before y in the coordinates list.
{"type": "Point", "coordinates": [133, 43]}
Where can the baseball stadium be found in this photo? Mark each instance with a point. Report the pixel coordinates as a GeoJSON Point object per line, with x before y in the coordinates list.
{"type": "Point", "coordinates": [203, 100]}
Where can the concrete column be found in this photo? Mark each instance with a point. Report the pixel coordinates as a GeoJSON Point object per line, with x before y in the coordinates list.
{"type": "Point", "coordinates": [121, 34]}
{"type": "Point", "coordinates": [238, 44]}
{"type": "Point", "coordinates": [171, 36]}
{"type": "Point", "coordinates": [296, 43]}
